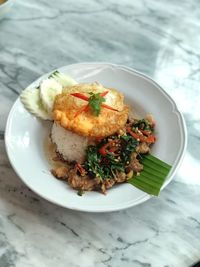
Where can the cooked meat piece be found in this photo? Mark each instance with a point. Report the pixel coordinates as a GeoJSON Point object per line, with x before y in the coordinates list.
{"type": "Point", "coordinates": [106, 185]}
{"type": "Point", "coordinates": [134, 164]}
{"type": "Point", "coordinates": [121, 177]}
{"type": "Point", "coordinates": [142, 148]}
{"type": "Point", "coordinates": [84, 183]}
{"type": "Point", "coordinates": [150, 119]}
{"type": "Point", "coordinates": [60, 172]}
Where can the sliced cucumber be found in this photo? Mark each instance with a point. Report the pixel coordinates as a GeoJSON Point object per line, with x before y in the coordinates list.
{"type": "Point", "coordinates": [40, 102]}
{"type": "Point", "coordinates": [31, 99]}
{"type": "Point", "coordinates": [62, 78]}
{"type": "Point", "coordinates": [49, 88]}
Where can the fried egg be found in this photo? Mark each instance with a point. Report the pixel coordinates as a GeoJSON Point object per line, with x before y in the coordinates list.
{"type": "Point", "coordinates": [108, 122]}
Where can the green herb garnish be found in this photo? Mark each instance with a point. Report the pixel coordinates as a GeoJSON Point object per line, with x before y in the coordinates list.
{"type": "Point", "coordinates": [80, 193]}
{"type": "Point", "coordinates": [142, 124]}
{"type": "Point", "coordinates": [150, 179]}
{"type": "Point", "coordinates": [95, 101]}
{"type": "Point", "coordinates": [129, 145]}
{"type": "Point", "coordinates": [106, 166]}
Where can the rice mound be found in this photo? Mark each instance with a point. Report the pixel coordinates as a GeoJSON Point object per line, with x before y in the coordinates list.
{"type": "Point", "coordinates": [69, 145]}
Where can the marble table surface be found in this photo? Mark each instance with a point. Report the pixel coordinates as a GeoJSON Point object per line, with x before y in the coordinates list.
{"type": "Point", "coordinates": [159, 38]}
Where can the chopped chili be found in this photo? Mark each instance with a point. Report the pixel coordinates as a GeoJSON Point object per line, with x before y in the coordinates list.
{"type": "Point", "coordinates": [84, 108]}
{"type": "Point", "coordinates": [109, 147]}
{"type": "Point", "coordinates": [149, 139]}
{"type": "Point", "coordinates": [86, 98]}
{"type": "Point", "coordinates": [80, 168]}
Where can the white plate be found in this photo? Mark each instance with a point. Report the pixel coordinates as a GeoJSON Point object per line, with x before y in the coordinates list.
{"type": "Point", "coordinates": [25, 136]}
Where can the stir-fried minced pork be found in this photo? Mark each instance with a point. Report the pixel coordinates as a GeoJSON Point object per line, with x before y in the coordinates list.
{"type": "Point", "coordinates": [114, 159]}
{"type": "Point", "coordinates": [143, 148]}
{"type": "Point", "coordinates": [60, 172]}
{"type": "Point", "coordinates": [79, 182]}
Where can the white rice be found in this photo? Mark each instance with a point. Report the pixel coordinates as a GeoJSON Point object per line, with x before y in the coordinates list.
{"type": "Point", "coordinates": [70, 145]}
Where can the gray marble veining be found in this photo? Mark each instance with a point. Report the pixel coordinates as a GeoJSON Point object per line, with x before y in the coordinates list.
{"type": "Point", "coordinates": [158, 38]}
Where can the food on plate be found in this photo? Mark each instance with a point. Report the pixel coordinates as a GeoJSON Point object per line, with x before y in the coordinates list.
{"type": "Point", "coordinates": [39, 100]}
{"type": "Point", "coordinates": [97, 143]}
{"type": "Point", "coordinates": [32, 101]}
{"type": "Point", "coordinates": [49, 88]}
{"type": "Point", "coordinates": [73, 110]}
{"type": "Point", "coordinates": [70, 146]}
{"type": "Point", "coordinates": [103, 161]}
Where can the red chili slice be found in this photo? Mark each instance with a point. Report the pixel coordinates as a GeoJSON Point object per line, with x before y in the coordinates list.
{"type": "Point", "coordinates": [104, 150]}
{"type": "Point", "coordinates": [86, 98]}
{"type": "Point", "coordinates": [148, 139]}
{"type": "Point", "coordinates": [84, 108]}
{"type": "Point", "coordinates": [80, 168]}
{"type": "Point", "coordinates": [81, 96]}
